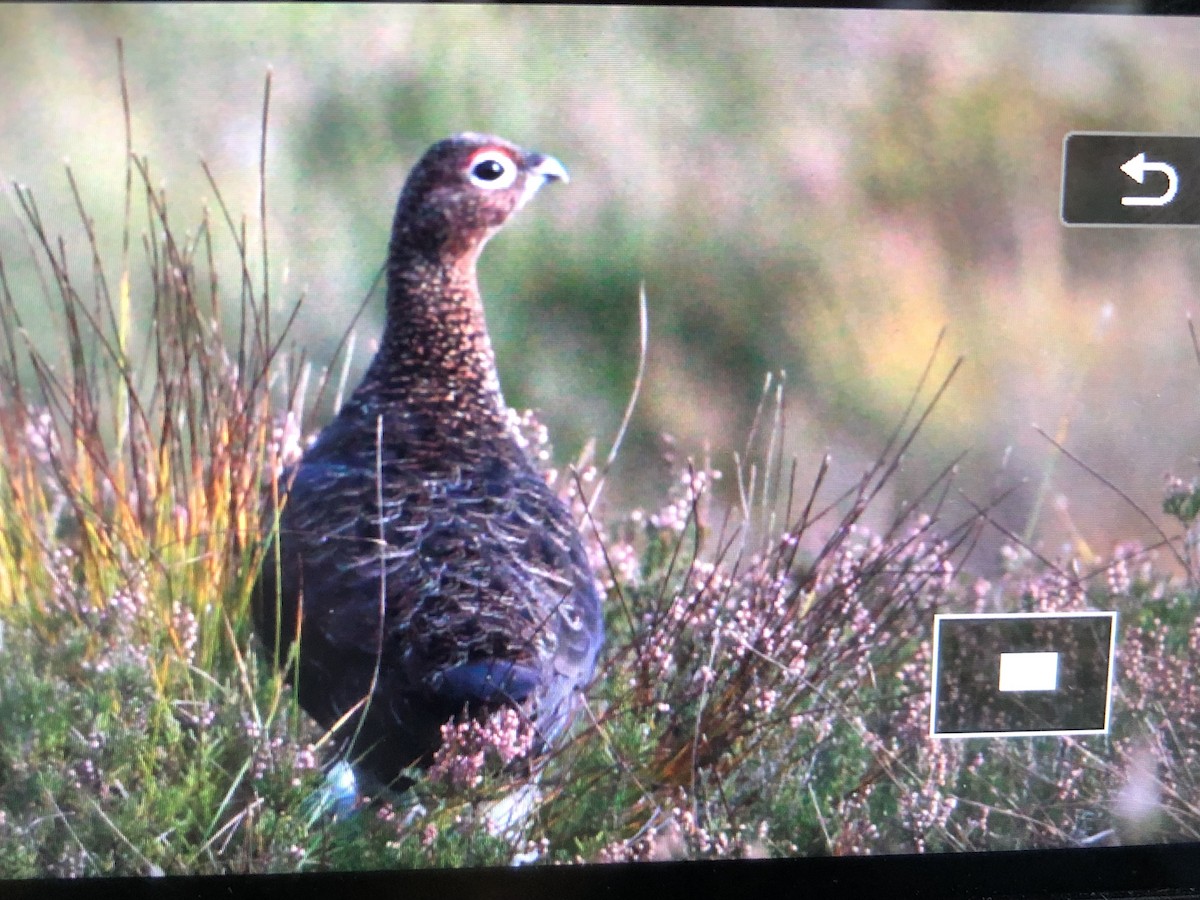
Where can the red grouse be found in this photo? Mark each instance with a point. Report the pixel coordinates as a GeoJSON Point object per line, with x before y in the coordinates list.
{"type": "Point", "coordinates": [421, 560]}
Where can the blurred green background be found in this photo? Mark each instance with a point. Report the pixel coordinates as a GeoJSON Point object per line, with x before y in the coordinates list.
{"type": "Point", "coordinates": [819, 192]}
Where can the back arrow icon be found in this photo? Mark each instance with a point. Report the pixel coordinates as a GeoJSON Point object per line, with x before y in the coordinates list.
{"type": "Point", "coordinates": [1137, 168]}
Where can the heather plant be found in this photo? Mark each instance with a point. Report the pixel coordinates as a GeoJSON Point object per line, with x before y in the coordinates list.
{"type": "Point", "coordinates": [764, 689]}
{"type": "Point", "coordinates": [132, 461]}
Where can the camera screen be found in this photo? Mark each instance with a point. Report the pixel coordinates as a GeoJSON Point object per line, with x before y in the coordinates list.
{"type": "Point", "coordinates": [483, 435]}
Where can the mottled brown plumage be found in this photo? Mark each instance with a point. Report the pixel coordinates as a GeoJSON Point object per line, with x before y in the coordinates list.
{"type": "Point", "coordinates": [417, 510]}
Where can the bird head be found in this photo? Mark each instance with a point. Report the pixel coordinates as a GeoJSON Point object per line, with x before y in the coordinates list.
{"type": "Point", "coordinates": [465, 188]}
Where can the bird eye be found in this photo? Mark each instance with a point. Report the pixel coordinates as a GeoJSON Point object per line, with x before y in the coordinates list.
{"type": "Point", "coordinates": [492, 170]}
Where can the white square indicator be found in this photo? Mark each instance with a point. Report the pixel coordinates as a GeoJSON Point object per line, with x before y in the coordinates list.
{"type": "Point", "coordinates": [1028, 671]}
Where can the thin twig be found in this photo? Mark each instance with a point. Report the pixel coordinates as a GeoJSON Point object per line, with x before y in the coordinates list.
{"type": "Point", "coordinates": [1129, 501]}
{"type": "Point", "coordinates": [643, 346]}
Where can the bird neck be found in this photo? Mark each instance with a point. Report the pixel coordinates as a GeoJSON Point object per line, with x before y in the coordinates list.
{"type": "Point", "coordinates": [436, 353]}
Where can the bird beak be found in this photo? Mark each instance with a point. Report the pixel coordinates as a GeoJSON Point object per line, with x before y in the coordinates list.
{"type": "Point", "coordinates": [548, 168]}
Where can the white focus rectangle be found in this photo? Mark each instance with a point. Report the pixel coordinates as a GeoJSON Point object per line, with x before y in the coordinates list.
{"type": "Point", "coordinates": [1028, 671]}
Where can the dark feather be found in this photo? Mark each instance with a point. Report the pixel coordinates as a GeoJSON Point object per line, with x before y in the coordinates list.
{"type": "Point", "coordinates": [418, 548]}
